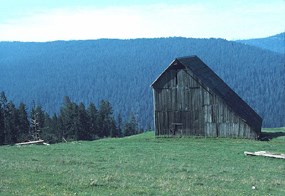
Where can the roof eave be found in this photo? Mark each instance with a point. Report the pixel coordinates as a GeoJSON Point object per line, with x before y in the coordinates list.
{"type": "Point", "coordinates": [162, 73]}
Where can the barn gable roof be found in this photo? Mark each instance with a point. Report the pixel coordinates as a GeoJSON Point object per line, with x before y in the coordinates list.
{"type": "Point", "coordinates": [210, 79]}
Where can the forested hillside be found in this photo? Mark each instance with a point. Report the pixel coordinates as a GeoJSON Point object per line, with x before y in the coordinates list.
{"type": "Point", "coordinates": [275, 43]}
{"type": "Point", "coordinates": [121, 72]}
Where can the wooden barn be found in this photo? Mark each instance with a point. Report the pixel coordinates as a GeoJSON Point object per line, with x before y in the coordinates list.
{"type": "Point", "coordinates": [190, 99]}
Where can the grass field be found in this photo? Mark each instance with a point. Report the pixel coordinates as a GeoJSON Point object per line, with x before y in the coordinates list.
{"type": "Point", "coordinates": [144, 165]}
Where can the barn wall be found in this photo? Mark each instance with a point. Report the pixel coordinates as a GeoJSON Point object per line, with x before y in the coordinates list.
{"type": "Point", "coordinates": [184, 106]}
{"type": "Point", "coordinates": [177, 101]}
{"type": "Point", "coordinates": [221, 121]}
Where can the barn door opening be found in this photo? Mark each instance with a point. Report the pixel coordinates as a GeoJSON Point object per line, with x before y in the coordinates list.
{"type": "Point", "coordinates": [176, 129]}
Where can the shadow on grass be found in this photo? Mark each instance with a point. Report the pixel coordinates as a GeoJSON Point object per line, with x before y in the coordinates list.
{"type": "Point", "coordinates": [266, 136]}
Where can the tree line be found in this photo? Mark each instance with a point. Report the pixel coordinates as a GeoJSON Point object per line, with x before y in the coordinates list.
{"type": "Point", "coordinates": [74, 122]}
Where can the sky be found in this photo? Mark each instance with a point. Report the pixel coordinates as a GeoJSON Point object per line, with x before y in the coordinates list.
{"type": "Point", "coordinates": [49, 20]}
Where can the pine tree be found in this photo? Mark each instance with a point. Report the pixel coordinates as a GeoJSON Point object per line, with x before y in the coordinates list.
{"type": "Point", "coordinates": [11, 122]}
{"type": "Point", "coordinates": [112, 127]}
{"type": "Point", "coordinates": [40, 116]}
{"type": "Point", "coordinates": [3, 107]}
{"type": "Point", "coordinates": [83, 123]}
{"type": "Point", "coordinates": [2, 127]}
{"type": "Point", "coordinates": [119, 125]}
{"type": "Point", "coordinates": [23, 121]}
{"type": "Point", "coordinates": [107, 126]}
{"type": "Point", "coordinates": [131, 126]}
{"type": "Point", "coordinates": [37, 122]}
{"type": "Point", "coordinates": [105, 111]}
{"type": "Point", "coordinates": [49, 132]}
{"type": "Point", "coordinates": [69, 119]}
{"type": "Point", "coordinates": [55, 126]}
{"type": "Point", "coordinates": [93, 120]}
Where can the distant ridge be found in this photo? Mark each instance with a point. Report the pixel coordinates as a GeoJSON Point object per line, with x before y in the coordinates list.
{"type": "Point", "coordinates": [275, 43]}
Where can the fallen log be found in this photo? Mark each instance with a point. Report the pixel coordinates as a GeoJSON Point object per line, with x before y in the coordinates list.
{"type": "Point", "coordinates": [266, 154]}
{"type": "Point", "coordinates": [30, 142]}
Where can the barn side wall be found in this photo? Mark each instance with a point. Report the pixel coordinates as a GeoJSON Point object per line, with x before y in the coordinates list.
{"type": "Point", "coordinates": [221, 121]}
{"type": "Point", "coordinates": [184, 106]}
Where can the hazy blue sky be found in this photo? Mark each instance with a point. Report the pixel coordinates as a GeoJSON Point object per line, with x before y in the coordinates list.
{"type": "Point", "coordinates": [47, 20]}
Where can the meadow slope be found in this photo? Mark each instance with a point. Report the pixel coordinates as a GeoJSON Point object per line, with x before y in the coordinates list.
{"type": "Point", "coordinates": [145, 165]}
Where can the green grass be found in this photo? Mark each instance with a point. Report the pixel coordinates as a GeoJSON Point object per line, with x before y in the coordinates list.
{"type": "Point", "coordinates": [144, 165]}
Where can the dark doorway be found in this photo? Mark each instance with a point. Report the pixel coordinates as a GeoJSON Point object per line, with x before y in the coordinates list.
{"type": "Point", "coordinates": [176, 129]}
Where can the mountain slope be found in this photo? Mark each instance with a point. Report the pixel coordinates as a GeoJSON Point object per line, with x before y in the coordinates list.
{"type": "Point", "coordinates": [275, 43]}
{"type": "Point", "coordinates": [121, 71]}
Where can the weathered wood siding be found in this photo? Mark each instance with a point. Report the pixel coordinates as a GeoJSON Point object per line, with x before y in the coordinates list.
{"type": "Point", "coordinates": [184, 106]}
